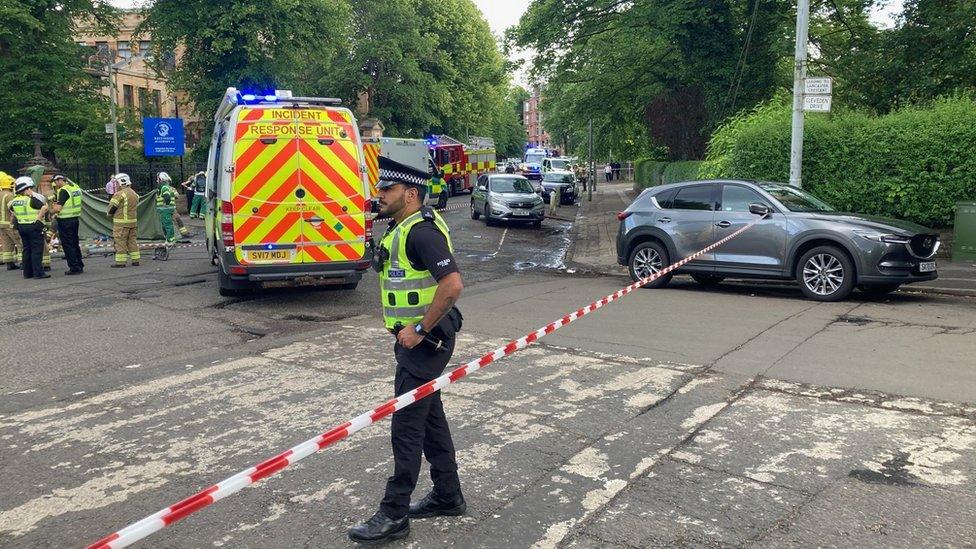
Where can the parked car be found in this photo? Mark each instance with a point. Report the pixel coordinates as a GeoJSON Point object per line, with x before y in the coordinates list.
{"type": "Point", "coordinates": [802, 237]}
{"type": "Point", "coordinates": [506, 197]}
{"type": "Point", "coordinates": [560, 163]}
{"type": "Point", "coordinates": [562, 180]}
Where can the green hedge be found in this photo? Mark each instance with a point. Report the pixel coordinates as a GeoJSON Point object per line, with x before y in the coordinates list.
{"type": "Point", "coordinates": [912, 164]}
{"type": "Point", "coordinates": [650, 173]}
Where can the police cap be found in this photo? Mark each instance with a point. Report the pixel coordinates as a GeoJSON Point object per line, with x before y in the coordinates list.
{"type": "Point", "coordinates": [393, 173]}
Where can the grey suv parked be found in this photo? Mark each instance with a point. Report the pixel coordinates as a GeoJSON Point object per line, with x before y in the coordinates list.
{"type": "Point", "coordinates": [828, 252]}
{"type": "Point", "coordinates": [504, 197]}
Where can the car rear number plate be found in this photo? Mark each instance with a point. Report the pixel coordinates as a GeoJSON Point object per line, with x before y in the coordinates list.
{"type": "Point", "coordinates": [926, 266]}
{"type": "Point", "coordinates": [520, 212]}
{"type": "Point", "coordinates": [257, 256]}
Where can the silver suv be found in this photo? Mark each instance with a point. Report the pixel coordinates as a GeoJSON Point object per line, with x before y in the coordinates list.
{"type": "Point", "coordinates": [803, 238]}
{"type": "Point", "coordinates": [507, 197]}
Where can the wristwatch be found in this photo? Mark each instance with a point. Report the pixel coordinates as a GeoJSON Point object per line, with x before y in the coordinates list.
{"type": "Point", "coordinates": [419, 328]}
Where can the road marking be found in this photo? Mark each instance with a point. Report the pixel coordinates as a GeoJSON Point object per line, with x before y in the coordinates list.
{"type": "Point", "coordinates": [500, 243]}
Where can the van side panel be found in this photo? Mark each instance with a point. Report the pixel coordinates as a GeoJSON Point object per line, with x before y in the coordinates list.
{"type": "Point", "coordinates": [265, 189]}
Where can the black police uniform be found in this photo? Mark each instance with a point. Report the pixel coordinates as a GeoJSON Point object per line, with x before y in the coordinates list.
{"type": "Point", "coordinates": [32, 237]}
{"type": "Point", "coordinates": [422, 426]}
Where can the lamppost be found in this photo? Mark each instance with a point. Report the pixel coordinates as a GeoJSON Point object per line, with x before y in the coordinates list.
{"type": "Point", "coordinates": [113, 72]}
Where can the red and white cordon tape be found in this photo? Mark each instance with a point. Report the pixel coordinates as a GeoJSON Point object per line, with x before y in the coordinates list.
{"type": "Point", "coordinates": [194, 503]}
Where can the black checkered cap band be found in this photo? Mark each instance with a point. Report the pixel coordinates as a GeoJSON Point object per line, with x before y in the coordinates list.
{"type": "Point", "coordinates": [394, 176]}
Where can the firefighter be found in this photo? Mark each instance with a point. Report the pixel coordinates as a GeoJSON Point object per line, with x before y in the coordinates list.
{"type": "Point", "coordinates": [29, 209]}
{"type": "Point", "coordinates": [9, 237]}
{"type": "Point", "coordinates": [166, 205]}
{"type": "Point", "coordinates": [419, 285]}
{"type": "Point", "coordinates": [67, 207]}
{"type": "Point", "coordinates": [122, 208]}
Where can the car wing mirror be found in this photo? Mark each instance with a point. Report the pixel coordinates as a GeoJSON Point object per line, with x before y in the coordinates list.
{"type": "Point", "coordinates": [760, 209]}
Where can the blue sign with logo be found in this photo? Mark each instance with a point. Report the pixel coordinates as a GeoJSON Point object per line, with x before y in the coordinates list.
{"type": "Point", "coordinates": [163, 136]}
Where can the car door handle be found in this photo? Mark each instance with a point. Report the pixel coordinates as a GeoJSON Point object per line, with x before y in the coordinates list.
{"type": "Point", "coordinates": [723, 224]}
{"type": "Point", "coordinates": [664, 220]}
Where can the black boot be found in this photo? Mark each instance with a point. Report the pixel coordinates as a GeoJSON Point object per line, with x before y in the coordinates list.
{"type": "Point", "coordinates": [380, 528]}
{"type": "Point", "coordinates": [432, 506]}
{"type": "Point", "coordinates": [12, 266]}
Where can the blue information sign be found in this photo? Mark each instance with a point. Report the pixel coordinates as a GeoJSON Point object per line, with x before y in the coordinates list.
{"type": "Point", "coordinates": [163, 136]}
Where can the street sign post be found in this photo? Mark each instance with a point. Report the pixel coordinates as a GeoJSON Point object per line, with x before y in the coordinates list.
{"type": "Point", "coordinates": [818, 86]}
{"type": "Point", "coordinates": [110, 128]}
{"type": "Point", "coordinates": [163, 136]}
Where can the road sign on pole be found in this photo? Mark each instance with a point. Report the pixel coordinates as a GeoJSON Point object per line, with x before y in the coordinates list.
{"type": "Point", "coordinates": [816, 103]}
{"type": "Point", "coordinates": [818, 85]}
{"type": "Point", "coordinates": [110, 128]}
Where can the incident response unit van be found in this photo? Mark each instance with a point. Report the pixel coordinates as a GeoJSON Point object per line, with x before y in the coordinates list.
{"type": "Point", "coordinates": [287, 194]}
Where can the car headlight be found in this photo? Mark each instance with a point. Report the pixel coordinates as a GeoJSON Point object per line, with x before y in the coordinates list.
{"type": "Point", "coordinates": [882, 237]}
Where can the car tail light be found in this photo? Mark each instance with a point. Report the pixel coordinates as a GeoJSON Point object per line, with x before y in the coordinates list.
{"type": "Point", "coordinates": [227, 223]}
{"type": "Point", "coordinates": [238, 270]}
{"type": "Point", "coordinates": [623, 215]}
{"type": "Point", "coordinates": [368, 224]}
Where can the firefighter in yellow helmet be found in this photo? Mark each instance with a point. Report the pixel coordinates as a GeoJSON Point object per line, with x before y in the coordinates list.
{"type": "Point", "coordinates": [10, 243]}
{"type": "Point", "coordinates": [122, 208]}
{"type": "Point", "coordinates": [419, 285]}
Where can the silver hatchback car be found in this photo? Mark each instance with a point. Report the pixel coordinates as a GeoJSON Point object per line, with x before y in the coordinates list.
{"type": "Point", "coordinates": [803, 238]}
{"type": "Point", "coordinates": [507, 197]}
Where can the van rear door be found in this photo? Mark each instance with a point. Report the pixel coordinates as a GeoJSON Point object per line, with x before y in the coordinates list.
{"type": "Point", "coordinates": [265, 189]}
{"type": "Point", "coordinates": [334, 192]}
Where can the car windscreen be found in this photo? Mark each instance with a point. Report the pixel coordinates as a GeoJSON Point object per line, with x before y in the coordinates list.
{"type": "Point", "coordinates": [557, 178]}
{"type": "Point", "coordinates": [534, 158]}
{"type": "Point", "coordinates": [558, 164]}
{"type": "Point", "coordinates": [511, 185]}
{"type": "Point", "coordinates": [796, 200]}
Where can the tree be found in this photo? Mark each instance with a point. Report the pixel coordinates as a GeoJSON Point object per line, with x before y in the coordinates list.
{"type": "Point", "coordinates": [43, 82]}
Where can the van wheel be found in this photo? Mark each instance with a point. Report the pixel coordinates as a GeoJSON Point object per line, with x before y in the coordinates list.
{"type": "Point", "coordinates": [646, 259]}
{"type": "Point", "coordinates": [475, 214]}
{"type": "Point", "coordinates": [825, 273]}
{"type": "Point", "coordinates": [228, 287]}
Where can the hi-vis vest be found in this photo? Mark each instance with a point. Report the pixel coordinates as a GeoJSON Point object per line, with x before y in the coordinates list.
{"type": "Point", "coordinates": [407, 293]}
{"type": "Point", "coordinates": [161, 194]}
{"type": "Point", "coordinates": [436, 185]}
{"type": "Point", "coordinates": [23, 211]}
{"type": "Point", "coordinates": [71, 208]}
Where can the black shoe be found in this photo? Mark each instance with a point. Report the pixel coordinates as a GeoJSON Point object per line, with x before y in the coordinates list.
{"type": "Point", "coordinates": [45, 275]}
{"type": "Point", "coordinates": [118, 265]}
{"type": "Point", "coordinates": [71, 273]}
{"type": "Point", "coordinates": [380, 529]}
{"type": "Point", "coordinates": [12, 266]}
{"type": "Point", "coordinates": [432, 506]}
{"type": "Point", "coordinates": [135, 263]}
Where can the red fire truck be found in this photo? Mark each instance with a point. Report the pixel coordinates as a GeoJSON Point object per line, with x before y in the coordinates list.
{"type": "Point", "coordinates": [462, 163]}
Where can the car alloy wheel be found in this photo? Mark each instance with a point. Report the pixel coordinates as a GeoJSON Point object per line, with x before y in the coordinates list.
{"type": "Point", "coordinates": [823, 274]}
{"type": "Point", "coordinates": [647, 262]}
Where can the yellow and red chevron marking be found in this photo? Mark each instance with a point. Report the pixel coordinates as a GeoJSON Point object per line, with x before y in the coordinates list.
{"type": "Point", "coordinates": [371, 151]}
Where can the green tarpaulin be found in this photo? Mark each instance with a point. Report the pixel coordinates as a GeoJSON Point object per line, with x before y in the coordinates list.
{"type": "Point", "coordinates": [95, 220]}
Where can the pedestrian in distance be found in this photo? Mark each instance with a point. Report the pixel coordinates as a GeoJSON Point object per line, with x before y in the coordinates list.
{"type": "Point", "coordinates": [188, 193]}
{"type": "Point", "coordinates": [419, 286]}
{"type": "Point", "coordinates": [10, 243]}
{"type": "Point", "coordinates": [122, 208]}
{"type": "Point", "coordinates": [29, 209]}
{"type": "Point", "coordinates": [166, 205]}
{"type": "Point", "coordinates": [67, 209]}
{"type": "Point", "coordinates": [608, 172]}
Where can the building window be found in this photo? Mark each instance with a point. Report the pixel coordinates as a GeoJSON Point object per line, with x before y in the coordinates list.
{"type": "Point", "coordinates": [127, 99]}
{"type": "Point", "coordinates": [124, 51]}
{"type": "Point", "coordinates": [144, 48]}
{"type": "Point", "coordinates": [144, 105]}
{"type": "Point", "coordinates": [157, 100]}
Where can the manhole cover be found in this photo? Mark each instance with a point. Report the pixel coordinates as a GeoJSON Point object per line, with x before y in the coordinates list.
{"type": "Point", "coordinates": [523, 265]}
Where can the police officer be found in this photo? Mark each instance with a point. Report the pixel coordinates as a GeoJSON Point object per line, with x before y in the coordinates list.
{"type": "Point", "coordinates": [68, 210]}
{"type": "Point", "coordinates": [122, 208]}
{"type": "Point", "coordinates": [419, 285]}
{"type": "Point", "coordinates": [29, 209]}
{"type": "Point", "coordinates": [437, 186]}
{"type": "Point", "coordinates": [9, 237]}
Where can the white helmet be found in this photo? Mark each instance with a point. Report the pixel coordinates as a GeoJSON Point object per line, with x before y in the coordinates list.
{"type": "Point", "coordinates": [23, 183]}
{"type": "Point", "coordinates": [164, 177]}
{"type": "Point", "coordinates": [123, 180]}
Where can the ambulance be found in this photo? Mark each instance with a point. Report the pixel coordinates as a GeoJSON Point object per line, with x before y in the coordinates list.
{"type": "Point", "coordinates": [287, 194]}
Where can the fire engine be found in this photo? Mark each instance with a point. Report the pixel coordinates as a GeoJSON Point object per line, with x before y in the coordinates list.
{"type": "Point", "coordinates": [462, 163]}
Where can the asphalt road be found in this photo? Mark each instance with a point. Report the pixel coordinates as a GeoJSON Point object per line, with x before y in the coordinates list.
{"type": "Point", "coordinates": [739, 416]}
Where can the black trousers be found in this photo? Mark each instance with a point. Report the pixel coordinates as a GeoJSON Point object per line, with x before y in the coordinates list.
{"type": "Point", "coordinates": [33, 238]}
{"type": "Point", "coordinates": [420, 428]}
{"type": "Point", "coordinates": [68, 233]}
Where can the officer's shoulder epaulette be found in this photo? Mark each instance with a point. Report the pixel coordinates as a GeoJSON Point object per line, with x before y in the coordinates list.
{"type": "Point", "coordinates": [427, 213]}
